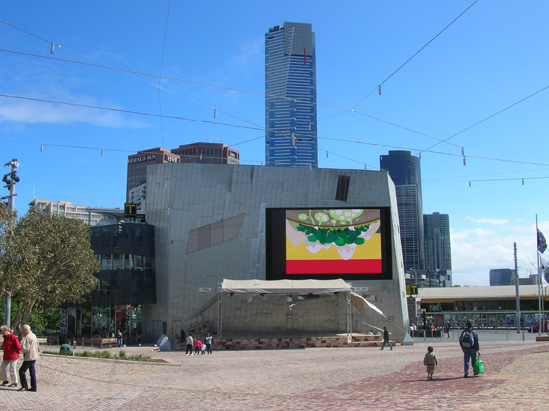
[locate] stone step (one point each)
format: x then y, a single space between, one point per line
293 342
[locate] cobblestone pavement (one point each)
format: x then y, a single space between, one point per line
516 375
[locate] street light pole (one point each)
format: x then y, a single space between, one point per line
517 289
11 179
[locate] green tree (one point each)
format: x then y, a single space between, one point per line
48 262
7 224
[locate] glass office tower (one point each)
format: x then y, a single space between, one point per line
405 172
438 251
290 101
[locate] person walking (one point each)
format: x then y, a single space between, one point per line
119 338
29 348
189 341
209 343
447 328
468 341
430 361
12 348
386 339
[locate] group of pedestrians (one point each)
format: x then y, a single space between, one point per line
200 347
12 350
468 341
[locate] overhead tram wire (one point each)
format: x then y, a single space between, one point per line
348 158
160 73
486 119
68 146
101 149
344 109
258 93
141 113
260 128
416 53
129 72
508 179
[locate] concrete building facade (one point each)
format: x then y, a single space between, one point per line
214 222
69 210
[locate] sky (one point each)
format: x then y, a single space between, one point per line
470 95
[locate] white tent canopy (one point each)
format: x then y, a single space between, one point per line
284 286
287 287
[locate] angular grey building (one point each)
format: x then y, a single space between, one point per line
404 169
290 96
215 222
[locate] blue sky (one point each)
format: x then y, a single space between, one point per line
493 56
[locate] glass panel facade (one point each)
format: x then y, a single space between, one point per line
290 102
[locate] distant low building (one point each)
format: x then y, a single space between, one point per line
501 276
138 195
207 153
67 209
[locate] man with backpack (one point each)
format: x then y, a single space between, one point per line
468 341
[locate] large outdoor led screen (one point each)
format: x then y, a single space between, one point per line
328 243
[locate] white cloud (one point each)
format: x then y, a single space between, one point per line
33 112
249 55
465 233
476 251
489 221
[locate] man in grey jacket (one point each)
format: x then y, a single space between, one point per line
29 349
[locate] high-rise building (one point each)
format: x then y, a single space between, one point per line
438 252
207 153
404 170
69 210
290 96
137 166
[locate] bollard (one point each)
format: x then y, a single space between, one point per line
507 334
424 336
73 347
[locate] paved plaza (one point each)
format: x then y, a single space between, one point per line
516 378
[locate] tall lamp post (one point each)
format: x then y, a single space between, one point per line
11 179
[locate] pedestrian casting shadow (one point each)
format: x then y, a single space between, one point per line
438 379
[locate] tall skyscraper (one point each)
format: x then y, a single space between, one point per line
290 101
404 170
438 251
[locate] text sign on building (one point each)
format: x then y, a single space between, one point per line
130 210
411 289
140 159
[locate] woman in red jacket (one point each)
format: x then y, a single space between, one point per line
12 349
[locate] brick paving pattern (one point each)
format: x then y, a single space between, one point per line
516 374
